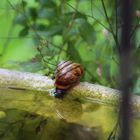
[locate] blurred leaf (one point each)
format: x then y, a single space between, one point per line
73 52
52 30
75 15
30 66
24 32
90 72
70 28
138 38
136 89
33 13
39 27
24 4
106 72
47 3
48 13
86 31
20 19
137 54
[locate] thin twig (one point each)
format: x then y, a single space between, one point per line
68 29
90 16
97 7
111 28
112 135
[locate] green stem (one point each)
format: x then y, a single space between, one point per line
68 30
107 18
90 16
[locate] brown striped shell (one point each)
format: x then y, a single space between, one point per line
68 74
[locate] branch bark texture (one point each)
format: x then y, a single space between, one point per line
84 90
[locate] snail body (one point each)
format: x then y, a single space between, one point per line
67 75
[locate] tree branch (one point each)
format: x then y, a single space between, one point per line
84 90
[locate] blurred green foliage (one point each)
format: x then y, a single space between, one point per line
38 34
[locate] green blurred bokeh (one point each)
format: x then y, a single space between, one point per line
38 33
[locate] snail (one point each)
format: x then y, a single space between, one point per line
67 75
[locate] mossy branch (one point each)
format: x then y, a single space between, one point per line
84 90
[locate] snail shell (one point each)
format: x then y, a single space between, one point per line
68 74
